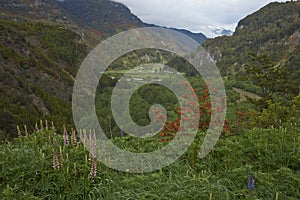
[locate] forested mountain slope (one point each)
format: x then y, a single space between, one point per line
273 31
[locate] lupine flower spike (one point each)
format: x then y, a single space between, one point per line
251 182
92 144
93 171
74 140
56 164
66 137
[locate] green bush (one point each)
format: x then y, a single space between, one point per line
277 115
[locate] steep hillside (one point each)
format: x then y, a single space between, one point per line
273 30
37 65
106 16
42 44
39 10
93 20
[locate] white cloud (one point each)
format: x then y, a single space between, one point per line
194 15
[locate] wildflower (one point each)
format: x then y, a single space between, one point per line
251 182
66 137
94 136
93 171
74 140
56 164
92 144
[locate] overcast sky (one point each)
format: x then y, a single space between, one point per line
194 15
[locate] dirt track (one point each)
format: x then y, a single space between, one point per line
244 94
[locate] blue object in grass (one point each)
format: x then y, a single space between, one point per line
251 182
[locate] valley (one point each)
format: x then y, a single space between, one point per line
43 44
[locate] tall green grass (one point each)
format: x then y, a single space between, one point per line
272 155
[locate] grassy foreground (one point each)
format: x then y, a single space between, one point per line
273 156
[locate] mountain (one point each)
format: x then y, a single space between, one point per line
111 17
273 30
105 16
215 31
92 19
43 42
198 37
42 45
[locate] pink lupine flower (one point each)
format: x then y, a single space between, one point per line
74 140
66 137
92 144
56 164
93 171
